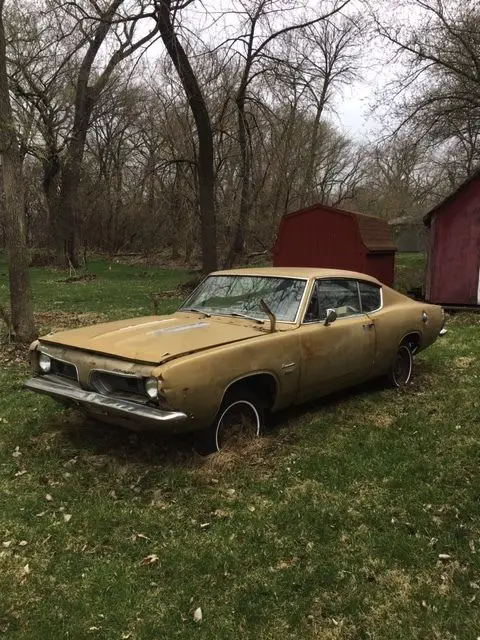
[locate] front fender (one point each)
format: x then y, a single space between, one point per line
196 384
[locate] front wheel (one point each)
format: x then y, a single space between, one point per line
240 418
401 370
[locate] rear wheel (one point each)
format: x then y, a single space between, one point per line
240 418
401 370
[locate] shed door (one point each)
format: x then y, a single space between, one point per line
455 253
455 266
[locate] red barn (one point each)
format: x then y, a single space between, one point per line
322 236
453 273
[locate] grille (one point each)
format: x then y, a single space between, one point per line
112 383
64 369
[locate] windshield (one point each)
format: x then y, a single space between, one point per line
241 295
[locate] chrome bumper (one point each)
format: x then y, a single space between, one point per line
99 405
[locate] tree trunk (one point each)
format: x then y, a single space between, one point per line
70 181
21 319
67 218
237 247
308 190
50 182
198 106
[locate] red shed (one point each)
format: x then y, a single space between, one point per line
322 236
453 273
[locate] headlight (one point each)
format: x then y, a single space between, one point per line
151 388
44 362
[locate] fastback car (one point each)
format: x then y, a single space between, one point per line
246 342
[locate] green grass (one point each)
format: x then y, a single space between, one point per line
115 290
410 271
329 527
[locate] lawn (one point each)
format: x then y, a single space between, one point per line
354 518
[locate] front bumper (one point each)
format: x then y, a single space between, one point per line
103 407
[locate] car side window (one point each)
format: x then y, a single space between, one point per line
340 294
371 297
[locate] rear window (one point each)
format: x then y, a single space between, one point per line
370 296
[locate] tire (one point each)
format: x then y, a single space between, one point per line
240 416
400 372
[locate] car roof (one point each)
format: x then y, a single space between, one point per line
297 272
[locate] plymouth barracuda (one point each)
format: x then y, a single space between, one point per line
247 342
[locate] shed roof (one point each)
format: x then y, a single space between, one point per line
427 218
374 232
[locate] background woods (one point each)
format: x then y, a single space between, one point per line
187 129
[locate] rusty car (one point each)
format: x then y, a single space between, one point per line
246 342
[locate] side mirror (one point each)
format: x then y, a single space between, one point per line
330 317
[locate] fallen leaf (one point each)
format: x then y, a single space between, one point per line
444 556
220 513
140 535
17 453
204 525
26 569
22 472
151 559
48 498
285 564
6 544
197 615
41 514
22 543
67 517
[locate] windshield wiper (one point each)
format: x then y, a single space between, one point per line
207 315
236 314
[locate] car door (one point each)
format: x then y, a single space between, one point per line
337 354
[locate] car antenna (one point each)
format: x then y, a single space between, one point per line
271 316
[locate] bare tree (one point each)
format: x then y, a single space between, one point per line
257 50
402 178
437 91
21 320
88 88
166 11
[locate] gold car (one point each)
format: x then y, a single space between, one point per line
246 342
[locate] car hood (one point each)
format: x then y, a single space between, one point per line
156 339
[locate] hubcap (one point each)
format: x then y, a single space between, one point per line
240 421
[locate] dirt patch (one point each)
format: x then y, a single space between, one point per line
158 260
381 419
254 452
58 320
85 278
14 354
463 362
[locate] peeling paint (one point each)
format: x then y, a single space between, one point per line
186 327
